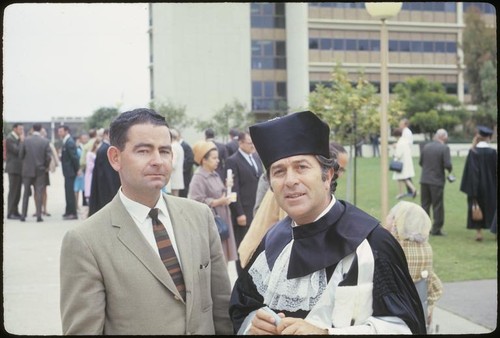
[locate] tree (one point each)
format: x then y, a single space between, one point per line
350 110
488 109
427 105
101 118
174 115
232 115
479 46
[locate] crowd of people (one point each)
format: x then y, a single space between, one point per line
479 178
147 257
31 160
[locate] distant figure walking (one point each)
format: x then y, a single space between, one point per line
479 181
434 160
374 139
36 154
402 153
70 166
13 167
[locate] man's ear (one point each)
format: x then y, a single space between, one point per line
114 157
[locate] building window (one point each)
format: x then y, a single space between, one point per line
267 15
430 6
374 45
268 54
268 95
313 43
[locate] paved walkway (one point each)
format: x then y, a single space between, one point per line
31 279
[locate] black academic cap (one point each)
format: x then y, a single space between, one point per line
301 133
484 131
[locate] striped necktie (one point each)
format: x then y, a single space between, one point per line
167 252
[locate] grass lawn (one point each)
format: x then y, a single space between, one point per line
457 256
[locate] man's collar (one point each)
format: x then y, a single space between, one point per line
245 155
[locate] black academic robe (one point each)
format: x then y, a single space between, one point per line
323 244
105 181
479 181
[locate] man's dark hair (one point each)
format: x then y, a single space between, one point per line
92 133
233 132
209 133
242 135
37 127
16 125
65 127
119 127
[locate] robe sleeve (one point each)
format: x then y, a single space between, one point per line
394 293
470 176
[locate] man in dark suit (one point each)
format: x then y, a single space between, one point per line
247 168
13 167
221 148
435 159
187 166
105 179
70 165
35 153
232 146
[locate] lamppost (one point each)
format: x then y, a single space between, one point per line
384 11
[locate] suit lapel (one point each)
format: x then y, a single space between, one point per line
132 238
183 237
250 169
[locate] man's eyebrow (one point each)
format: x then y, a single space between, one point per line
295 162
142 145
150 146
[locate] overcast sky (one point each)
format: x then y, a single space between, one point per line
71 59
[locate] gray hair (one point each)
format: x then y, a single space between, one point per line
441 134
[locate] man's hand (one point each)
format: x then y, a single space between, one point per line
264 323
290 325
241 220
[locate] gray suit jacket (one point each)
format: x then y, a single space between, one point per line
13 163
36 154
112 281
435 158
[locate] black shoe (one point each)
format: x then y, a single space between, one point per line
22 219
39 219
13 216
438 233
68 217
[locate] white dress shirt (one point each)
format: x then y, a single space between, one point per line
139 213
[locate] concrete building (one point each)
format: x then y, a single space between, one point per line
269 56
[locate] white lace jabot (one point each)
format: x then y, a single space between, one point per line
286 294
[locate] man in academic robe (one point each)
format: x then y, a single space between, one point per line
328 267
105 180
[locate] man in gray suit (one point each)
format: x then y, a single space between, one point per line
112 278
13 167
35 153
435 159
